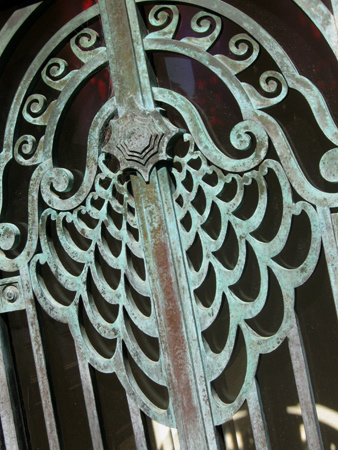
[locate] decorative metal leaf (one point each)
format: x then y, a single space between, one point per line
209 227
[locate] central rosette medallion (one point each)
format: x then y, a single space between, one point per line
140 138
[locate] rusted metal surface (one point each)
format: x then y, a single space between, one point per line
153 260
160 264
172 329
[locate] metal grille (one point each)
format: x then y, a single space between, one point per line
168 229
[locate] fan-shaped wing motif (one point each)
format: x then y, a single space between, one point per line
213 208
89 244
95 254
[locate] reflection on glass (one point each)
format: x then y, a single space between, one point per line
302 432
165 438
237 431
180 72
326 416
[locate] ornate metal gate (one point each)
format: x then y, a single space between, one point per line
169 244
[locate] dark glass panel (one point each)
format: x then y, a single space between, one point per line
207 93
160 437
27 379
278 392
71 148
269 227
318 323
156 393
247 287
114 412
230 382
216 335
306 139
238 432
66 384
269 319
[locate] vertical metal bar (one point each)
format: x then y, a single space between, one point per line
10 409
182 380
142 66
138 427
89 397
330 248
258 423
303 383
40 362
122 61
6 412
186 304
179 341
2 442
175 439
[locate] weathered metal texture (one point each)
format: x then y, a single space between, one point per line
259 428
250 103
89 397
140 139
40 361
175 342
15 23
324 20
191 326
39 155
331 249
186 365
303 383
115 291
138 427
334 4
250 107
239 309
11 295
191 418
11 415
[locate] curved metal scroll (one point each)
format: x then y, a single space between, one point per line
101 213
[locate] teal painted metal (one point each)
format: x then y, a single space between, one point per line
140 135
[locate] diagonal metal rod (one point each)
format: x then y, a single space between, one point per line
179 341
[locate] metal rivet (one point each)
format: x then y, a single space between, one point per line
10 294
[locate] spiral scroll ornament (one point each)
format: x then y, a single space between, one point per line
84 243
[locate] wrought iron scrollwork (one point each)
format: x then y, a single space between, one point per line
139 139
206 230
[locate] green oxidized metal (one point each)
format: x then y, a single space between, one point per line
139 136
